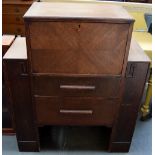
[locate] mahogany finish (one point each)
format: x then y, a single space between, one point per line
17 81
7 124
20 94
12 16
71 107
89 42
75 76
79 72
75 110
107 87
84 48
126 120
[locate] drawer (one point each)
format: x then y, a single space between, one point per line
14 9
12 19
75 111
15 29
107 87
78 48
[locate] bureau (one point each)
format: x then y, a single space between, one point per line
78 72
12 16
72 64
17 80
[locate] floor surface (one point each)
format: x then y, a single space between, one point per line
141 144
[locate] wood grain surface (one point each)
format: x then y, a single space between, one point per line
71 10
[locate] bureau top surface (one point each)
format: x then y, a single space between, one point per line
7 40
17 50
70 10
136 53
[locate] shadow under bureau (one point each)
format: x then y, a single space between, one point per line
78 72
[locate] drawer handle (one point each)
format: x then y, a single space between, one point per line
77 87
86 112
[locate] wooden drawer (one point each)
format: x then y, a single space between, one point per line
75 111
15 9
13 19
107 87
78 48
15 29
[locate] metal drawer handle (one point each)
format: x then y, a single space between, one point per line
77 87
86 112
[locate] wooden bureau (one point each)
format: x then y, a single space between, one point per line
73 65
15 63
78 72
12 16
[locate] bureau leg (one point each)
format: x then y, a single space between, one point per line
20 97
122 131
124 125
28 146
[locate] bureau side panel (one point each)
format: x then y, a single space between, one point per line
123 129
19 91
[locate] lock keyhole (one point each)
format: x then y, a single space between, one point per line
79 26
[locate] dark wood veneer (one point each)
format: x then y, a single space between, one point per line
86 48
75 110
12 16
107 87
19 91
79 72
128 112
